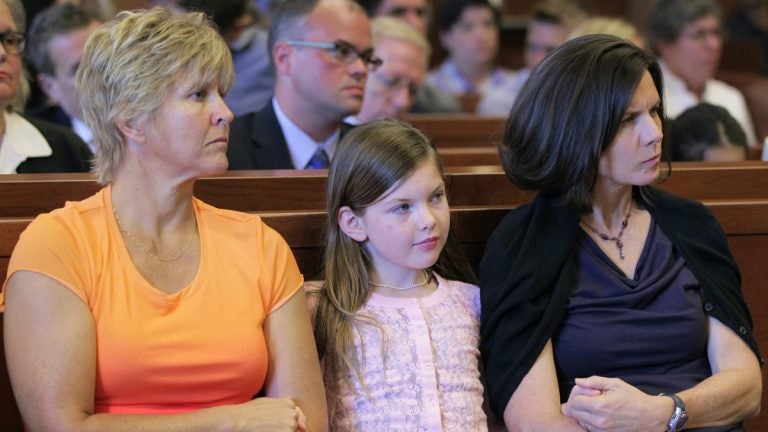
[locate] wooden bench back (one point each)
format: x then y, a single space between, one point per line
744 222
460 130
27 195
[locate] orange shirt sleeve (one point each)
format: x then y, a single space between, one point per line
50 246
281 278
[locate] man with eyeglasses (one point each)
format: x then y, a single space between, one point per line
687 37
391 89
321 52
415 13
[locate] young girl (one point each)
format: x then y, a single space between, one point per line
398 337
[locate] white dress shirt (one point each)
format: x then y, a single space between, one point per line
677 98
20 141
300 145
84 132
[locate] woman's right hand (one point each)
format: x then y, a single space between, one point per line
263 414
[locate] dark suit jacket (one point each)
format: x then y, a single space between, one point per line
256 141
70 153
50 113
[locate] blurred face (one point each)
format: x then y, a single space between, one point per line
474 39
187 134
695 55
405 231
391 89
542 38
10 64
634 155
66 50
331 87
414 12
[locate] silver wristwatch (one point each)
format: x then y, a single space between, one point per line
679 416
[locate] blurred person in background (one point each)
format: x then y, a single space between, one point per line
29 145
56 44
687 36
417 14
391 90
245 32
551 21
469 31
414 12
611 26
708 133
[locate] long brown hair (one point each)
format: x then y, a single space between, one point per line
369 161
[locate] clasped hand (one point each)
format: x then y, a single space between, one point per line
600 404
267 414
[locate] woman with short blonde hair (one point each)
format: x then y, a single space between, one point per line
153 310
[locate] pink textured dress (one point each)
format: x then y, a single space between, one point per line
424 374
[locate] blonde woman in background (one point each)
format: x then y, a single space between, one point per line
610 26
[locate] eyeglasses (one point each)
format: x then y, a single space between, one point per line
342 51
12 41
700 35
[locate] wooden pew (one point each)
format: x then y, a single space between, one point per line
27 195
460 130
470 156
753 86
744 222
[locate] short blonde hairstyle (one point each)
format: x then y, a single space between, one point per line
129 65
565 13
392 28
607 25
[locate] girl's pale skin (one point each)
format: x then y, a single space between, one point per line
404 231
733 391
52 359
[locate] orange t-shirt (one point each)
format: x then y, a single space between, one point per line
159 353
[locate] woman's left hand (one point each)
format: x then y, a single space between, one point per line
610 404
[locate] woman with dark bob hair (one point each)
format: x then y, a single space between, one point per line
606 295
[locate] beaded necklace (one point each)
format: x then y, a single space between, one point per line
427 279
617 238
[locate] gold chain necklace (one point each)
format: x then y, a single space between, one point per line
147 252
427 279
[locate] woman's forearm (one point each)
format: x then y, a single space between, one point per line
724 398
